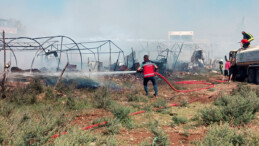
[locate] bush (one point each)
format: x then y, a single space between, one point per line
252 138
237 109
112 127
6 109
179 120
102 98
224 136
22 96
210 115
244 90
49 94
161 138
26 95
121 113
76 103
70 103
160 103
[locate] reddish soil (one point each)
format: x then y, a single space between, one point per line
135 136
180 137
87 119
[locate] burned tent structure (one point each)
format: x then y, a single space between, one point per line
52 53
198 58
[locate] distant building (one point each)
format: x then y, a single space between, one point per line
183 36
10 26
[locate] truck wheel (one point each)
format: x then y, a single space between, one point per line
257 77
251 75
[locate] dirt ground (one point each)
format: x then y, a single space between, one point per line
179 135
176 135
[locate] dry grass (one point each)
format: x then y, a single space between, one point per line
30 116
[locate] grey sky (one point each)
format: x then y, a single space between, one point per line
218 21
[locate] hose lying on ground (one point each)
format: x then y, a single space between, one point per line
171 105
187 82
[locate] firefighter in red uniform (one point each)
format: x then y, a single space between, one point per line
148 69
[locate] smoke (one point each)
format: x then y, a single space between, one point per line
217 22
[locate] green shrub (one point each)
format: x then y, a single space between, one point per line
244 90
161 138
160 103
70 103
25 95
210 115
224 100
50 95
252 138
102 98
6 109
22 96
237 109
112 127
76 103
121 113
179 120
223 136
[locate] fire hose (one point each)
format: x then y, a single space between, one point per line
210 85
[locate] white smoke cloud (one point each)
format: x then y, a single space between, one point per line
216 21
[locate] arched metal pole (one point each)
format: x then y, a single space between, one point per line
34 59
13 39
52 37
12 53
40 46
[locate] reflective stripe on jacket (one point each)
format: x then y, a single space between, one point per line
248 36
148 69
